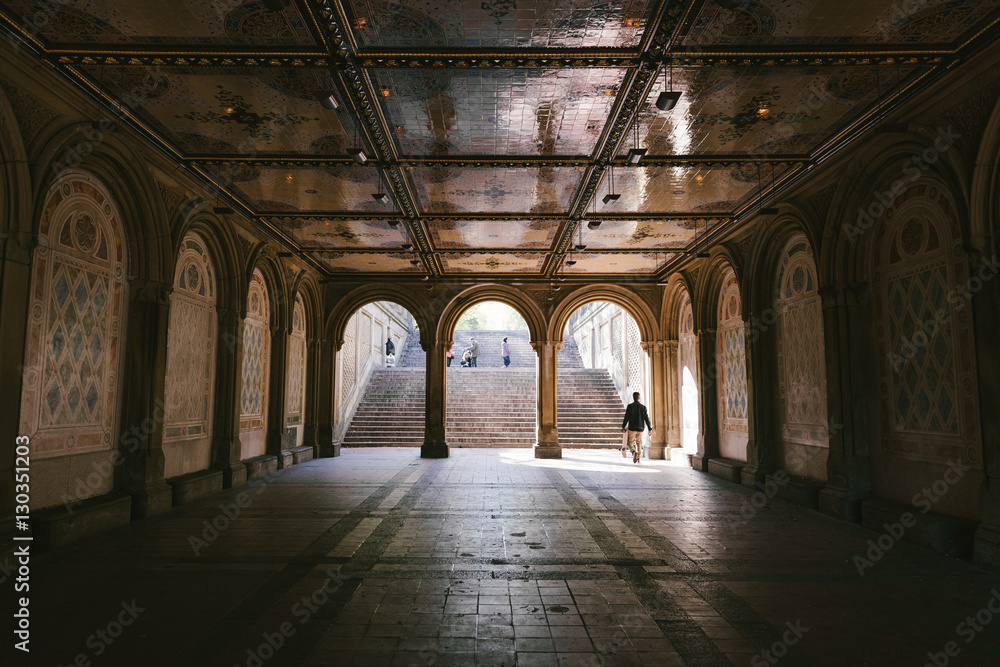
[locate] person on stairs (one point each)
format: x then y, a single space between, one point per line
450 355
505 353
390 352
636 419
473 351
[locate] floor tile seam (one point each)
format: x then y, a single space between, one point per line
692 646
639 527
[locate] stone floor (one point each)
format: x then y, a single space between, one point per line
490 557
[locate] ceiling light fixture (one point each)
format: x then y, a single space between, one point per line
328 101
393 223
415 262
407 246
611 196
636 153
380 197
358 155
594 224
667 100
570 262
580 246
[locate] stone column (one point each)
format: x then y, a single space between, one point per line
278 437
672 398
844 323
142 406
760 446
310 426
986 320
708 415
435 400
546 393
15 282
226 447
325 414
659 412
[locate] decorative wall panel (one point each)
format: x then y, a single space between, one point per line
296 363
928 373
731 358
69 401
256 355
801 355
190 344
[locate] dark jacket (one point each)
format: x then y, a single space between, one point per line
390 347
636 416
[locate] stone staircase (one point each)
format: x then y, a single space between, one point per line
488 406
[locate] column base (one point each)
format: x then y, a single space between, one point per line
548 451
699 462
836 502
752 476
285 459
155 498
658 452
986 546
434 450
330 450
233 474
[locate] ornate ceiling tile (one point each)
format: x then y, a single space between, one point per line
498 23
487 190
643 234
678 190
463 234
497 112
487 262
87 22
369 262
337 234
264 110
757 111
835 22
341 189
613 263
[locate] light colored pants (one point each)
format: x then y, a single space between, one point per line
635 441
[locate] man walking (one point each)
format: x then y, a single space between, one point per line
636 419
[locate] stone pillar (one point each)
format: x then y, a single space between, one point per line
708 415
845 323
226 447
546 392
142 406
278 436
659 412
761 395
325 444
986 320
435 400
15 287
672 398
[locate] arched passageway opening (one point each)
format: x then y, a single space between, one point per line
491 384
379 379
601 364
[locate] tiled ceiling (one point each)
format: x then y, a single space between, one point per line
497 128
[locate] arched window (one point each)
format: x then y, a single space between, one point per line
256 367
69 400
297 367
730 358
801 362
191 339
687 372
924 332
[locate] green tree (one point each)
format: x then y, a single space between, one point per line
473 319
